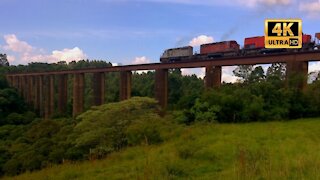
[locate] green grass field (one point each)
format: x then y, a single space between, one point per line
271 150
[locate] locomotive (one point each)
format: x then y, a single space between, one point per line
252 46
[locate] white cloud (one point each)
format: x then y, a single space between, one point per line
186 72
69 54
314 66
141 60
11 59
25 53
255 3
199 72
15 45
116 64
202 39
311 8
227 74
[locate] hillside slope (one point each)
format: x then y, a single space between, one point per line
272 150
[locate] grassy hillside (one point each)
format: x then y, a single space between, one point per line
271 150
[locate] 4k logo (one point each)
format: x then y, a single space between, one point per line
283 33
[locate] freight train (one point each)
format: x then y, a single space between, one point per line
252 46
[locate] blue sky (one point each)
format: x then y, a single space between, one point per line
135 31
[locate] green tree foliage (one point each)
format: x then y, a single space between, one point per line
143 84
33 146
204 112
257 75
28 143
183 90
277 71
259 101
243 71
111 127
10 102
174 83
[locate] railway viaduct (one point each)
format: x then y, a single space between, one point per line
38 88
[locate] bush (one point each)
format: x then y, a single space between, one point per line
202 111
113 126
25 118
12 167
144 131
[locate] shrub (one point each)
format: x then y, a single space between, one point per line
145 130
111 127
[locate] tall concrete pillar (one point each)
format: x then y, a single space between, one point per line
297 75
62 93
161 87
13 84
98 84
9 80
36 90
25 88
17 82
78 93
213 77
20 86
14 81
51 88
49 96
41 96
30 90
125 85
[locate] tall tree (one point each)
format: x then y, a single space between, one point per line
4 60
257 75
277 71
243 71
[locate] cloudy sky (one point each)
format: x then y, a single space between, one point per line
136 31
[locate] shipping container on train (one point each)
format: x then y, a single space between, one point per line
307 43
176 54
220 49
253 45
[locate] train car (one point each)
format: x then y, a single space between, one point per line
176 54
220 49
307 43
317 35
317 40
254 42
256 45
253 45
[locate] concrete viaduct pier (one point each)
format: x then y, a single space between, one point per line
38 88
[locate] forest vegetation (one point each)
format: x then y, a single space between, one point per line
199 127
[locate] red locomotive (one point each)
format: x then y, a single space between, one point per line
252 46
